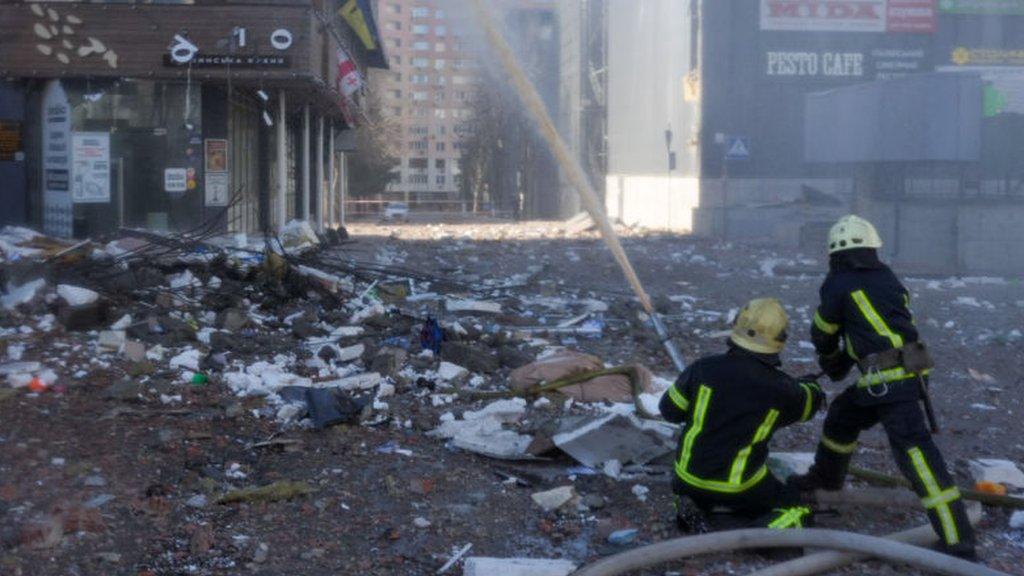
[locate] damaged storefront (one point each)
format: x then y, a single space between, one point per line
205 111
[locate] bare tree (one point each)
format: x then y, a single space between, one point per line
372 165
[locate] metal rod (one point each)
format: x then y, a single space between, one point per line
282 159
571 167
305 163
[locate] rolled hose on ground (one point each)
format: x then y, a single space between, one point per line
819 562
679 548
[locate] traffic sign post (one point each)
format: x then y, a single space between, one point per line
737 148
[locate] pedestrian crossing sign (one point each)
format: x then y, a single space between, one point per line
737 148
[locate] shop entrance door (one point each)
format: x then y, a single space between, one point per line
142 163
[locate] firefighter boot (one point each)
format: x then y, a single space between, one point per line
690 519
827 473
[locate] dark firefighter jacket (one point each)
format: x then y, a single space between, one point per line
864 310
732 403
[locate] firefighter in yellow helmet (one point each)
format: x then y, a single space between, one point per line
864 320
731 404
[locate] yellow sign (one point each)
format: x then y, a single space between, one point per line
357 20
962 56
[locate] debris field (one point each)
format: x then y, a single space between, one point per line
381 401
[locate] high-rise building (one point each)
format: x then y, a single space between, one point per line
427 93
429 90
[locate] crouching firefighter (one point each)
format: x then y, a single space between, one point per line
731 405
864 319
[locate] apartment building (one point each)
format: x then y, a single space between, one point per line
428 92
429 89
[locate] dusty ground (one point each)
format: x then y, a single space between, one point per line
147 461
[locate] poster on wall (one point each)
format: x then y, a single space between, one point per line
216 173
1000 7
824 15
10 142
175 180
896 16
90 168
58 211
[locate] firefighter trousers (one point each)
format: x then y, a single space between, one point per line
915 453
768 504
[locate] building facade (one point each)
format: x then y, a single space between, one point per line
166 116
787 113
438 66
427 92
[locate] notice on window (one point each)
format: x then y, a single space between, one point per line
216 188
10 142
90 167
217 175
175 180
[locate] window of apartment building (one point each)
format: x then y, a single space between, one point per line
418 96
440 113
393 25
395 93
457 180
461 80
458 146
420 29
461 95
397 76
418 130
418 145
439 14
439 164
417 178
442 130
439 146
440 180
420 12
441 80
418 163
439 96
394 8
419 79
420 112
439 47
420 62
439 64
441 30
396 60
396 111
421 46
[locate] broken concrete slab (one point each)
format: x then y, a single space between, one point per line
481 431
363 381
482 306
111 340
551 500
999 471
452 372
23 294
594 440
76 296
474 358
350 353
481 566
786 464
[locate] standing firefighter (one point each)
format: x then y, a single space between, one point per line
864 319
731 404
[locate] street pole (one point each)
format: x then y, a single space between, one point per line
282 169
320 173
305 162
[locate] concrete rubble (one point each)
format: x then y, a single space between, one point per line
383 375
477 566
997 471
